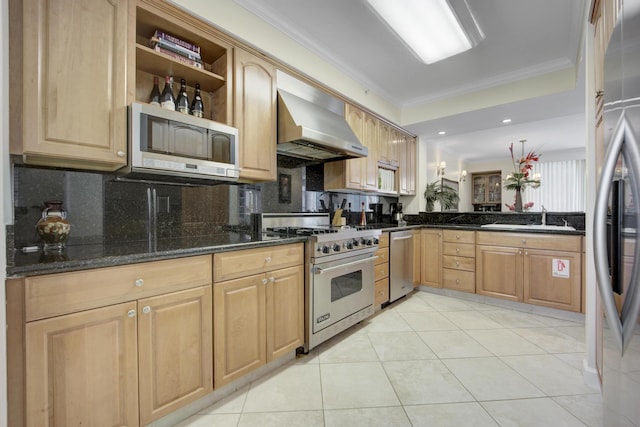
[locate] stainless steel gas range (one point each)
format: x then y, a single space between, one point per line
339 272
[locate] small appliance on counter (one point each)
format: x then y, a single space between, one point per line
397 217
376 215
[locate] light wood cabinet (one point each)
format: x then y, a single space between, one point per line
81 369
417 250
259 317
431 257
458 260
69 73
175 350
533 268
381 270
255 106
110 347
407 165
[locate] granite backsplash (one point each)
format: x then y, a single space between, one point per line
104 209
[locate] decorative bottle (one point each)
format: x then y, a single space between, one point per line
363 216
197 107
167 100
154 98
182 102
53 227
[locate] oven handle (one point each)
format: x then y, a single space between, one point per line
319 270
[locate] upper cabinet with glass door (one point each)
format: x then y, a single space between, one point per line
487 191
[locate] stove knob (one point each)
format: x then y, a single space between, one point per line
355 242
363 241
336 247
349 245
376 241
369 242
324 249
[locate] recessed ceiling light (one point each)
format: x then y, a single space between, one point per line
505 121
442 132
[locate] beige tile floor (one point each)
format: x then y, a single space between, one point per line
427 360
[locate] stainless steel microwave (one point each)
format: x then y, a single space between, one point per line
177 147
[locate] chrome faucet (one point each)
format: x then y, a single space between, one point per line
544 216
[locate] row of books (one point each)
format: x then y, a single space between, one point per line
176 48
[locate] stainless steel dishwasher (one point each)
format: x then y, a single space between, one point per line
401 264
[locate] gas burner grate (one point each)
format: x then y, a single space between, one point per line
301 231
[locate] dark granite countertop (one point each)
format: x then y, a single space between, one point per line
95 255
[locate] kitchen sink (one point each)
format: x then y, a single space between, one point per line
529 227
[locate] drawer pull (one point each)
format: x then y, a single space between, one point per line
264 281
139 282
146 309
457 250
457 281
272 279
524 242
458 236
131 313
267 259
457 263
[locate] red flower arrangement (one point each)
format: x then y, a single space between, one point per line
520 177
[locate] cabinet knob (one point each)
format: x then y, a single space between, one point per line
139 282
519 252
131 313
121 154
526 253
146 309
264 281
457 281
457 250
457 263
272 279
458 236
524 242
267 259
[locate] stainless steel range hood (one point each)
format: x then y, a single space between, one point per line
311 124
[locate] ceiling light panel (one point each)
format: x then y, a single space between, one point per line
430 29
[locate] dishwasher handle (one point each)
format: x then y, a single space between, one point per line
403 237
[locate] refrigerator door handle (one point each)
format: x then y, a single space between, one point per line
631 305
621 326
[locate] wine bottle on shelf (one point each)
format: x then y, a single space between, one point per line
154 98
182 102
167 101
197 107
363 216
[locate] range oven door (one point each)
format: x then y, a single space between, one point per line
341 287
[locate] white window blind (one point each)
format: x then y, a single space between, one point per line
562 187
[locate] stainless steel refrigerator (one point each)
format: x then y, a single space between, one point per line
616 252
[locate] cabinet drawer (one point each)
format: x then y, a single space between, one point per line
381 271
530 240
382 291
459 280
383 255
462 236
384 240
55 294
459 249
459 263
231 265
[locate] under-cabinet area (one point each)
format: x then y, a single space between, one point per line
127 345
540 269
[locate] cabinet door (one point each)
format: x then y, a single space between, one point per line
355 168
255 116
239 327
371 137
417 249
431 256
285 311
75 96
403 165
81 369
384 142
552 279
411 165
499 272
175 351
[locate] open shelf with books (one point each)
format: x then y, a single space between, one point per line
210 64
